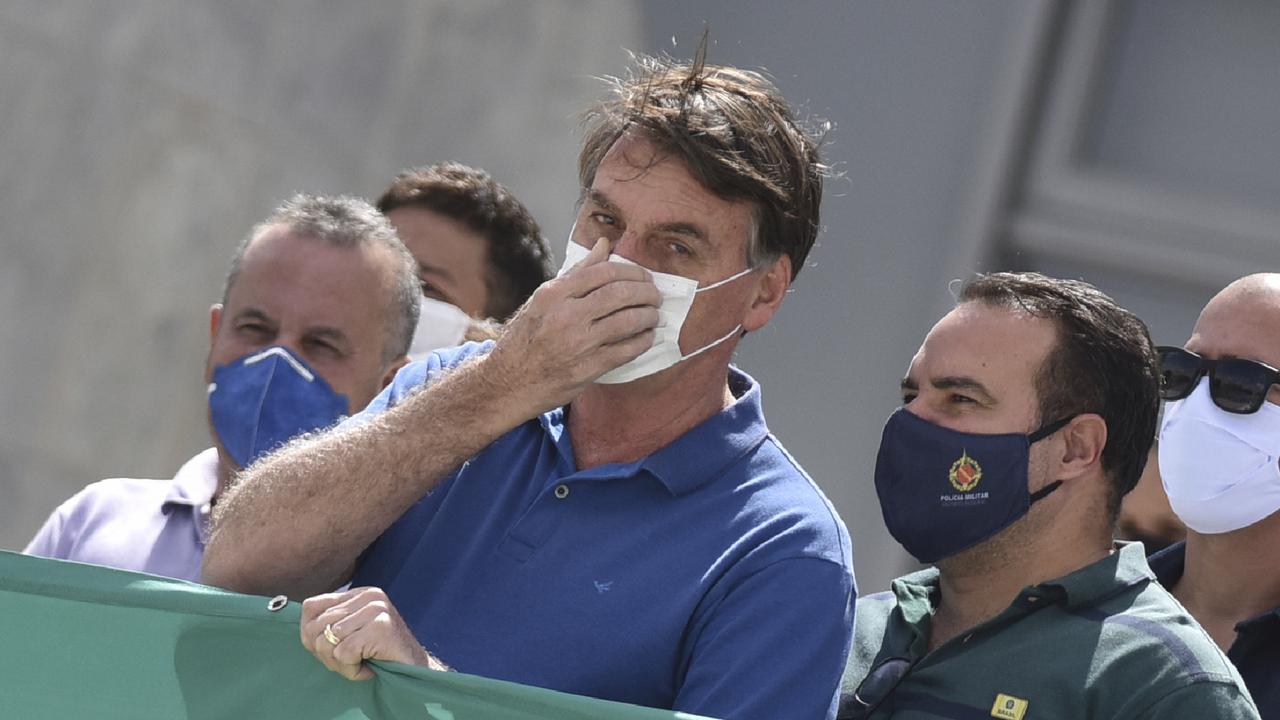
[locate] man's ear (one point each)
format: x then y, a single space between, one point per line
392 369
1084 439
215 320
769 293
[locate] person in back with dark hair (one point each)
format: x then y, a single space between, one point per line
593 503
477 245
1026 416
480 253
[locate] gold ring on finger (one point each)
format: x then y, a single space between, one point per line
330 635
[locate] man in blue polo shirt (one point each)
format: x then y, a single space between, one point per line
1220 462
593 503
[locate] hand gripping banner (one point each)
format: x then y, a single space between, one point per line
81 641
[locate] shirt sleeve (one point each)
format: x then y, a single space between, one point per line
51 540
774 646
415 375
1217 700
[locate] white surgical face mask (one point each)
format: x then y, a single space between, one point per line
1219 469
440 325
677 297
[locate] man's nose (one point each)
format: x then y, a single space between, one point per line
627 245
292 344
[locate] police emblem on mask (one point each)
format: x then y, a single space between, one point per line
965 473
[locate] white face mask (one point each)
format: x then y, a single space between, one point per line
677 297
1219 469
440 325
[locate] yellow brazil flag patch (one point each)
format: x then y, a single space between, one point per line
1008 707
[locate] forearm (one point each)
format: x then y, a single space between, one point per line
299 519
296 522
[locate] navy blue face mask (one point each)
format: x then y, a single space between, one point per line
260 401
942 491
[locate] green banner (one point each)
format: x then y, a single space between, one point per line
81 641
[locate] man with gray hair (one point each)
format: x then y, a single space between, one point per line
317 314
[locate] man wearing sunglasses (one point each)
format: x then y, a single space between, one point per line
1027 414
1220 460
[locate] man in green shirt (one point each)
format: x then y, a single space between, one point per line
1027 414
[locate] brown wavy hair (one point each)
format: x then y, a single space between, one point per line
734 132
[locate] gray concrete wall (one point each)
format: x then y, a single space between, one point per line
140 139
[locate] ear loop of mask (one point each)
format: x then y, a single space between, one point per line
1037 436
707 347
736 328
727 280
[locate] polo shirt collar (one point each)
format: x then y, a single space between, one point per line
195 483
1113 574
694 458
702 453
917 593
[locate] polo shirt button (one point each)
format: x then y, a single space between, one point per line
562 491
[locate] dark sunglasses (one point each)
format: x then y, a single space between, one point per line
1235 384
875 688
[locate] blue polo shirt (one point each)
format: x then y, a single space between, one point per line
711 577
1256 650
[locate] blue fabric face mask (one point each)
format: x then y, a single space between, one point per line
262 400
942 491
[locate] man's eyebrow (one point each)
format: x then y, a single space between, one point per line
908 384
599 198
253 313
436 271
685 228
330 333
960 382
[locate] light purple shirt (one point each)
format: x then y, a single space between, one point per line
152 526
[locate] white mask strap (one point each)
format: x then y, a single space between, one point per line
729 279
707 347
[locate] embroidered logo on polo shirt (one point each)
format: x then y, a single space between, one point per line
602 587
1008 707
965 473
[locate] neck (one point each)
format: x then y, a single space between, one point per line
225 476
623 423
1231 577
979 583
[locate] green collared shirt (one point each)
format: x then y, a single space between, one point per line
1102 642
